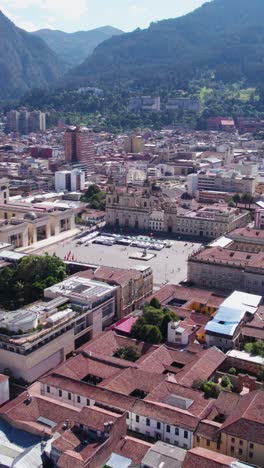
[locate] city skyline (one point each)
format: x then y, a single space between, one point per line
89 14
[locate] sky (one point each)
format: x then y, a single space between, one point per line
76 15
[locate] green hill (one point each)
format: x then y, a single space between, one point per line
25 61
225 36
74 48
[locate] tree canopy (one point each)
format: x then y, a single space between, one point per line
25 282
95 197
152 326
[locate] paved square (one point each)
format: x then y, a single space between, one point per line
169 264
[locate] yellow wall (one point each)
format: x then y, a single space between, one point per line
227 442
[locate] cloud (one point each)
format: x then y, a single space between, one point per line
59 9
136 10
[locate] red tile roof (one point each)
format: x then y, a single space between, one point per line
247 419
132 448
201 458
202 368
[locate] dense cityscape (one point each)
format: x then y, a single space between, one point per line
131 270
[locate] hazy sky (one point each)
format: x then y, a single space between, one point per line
74 15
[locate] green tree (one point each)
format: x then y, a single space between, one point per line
25 282
236 198
153 334
167 318
232 371
210 389
226 382
130 353
155 303
257 348
247 199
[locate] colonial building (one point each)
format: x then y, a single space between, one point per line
233 262
130 209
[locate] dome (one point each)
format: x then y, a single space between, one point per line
30 216
186 196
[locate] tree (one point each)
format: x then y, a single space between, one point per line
210 389
226 382
153 334
247 199
130 353
25 282
236 198
155 303
257 348
167 318
232 371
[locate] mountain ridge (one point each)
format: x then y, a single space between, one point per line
25 61
225 36
73 48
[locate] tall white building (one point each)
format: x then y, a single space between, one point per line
72 181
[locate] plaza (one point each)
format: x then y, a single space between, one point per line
168 265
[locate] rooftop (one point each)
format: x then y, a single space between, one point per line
231 312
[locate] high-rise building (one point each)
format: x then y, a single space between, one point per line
73 181
37 121
25 122
80 147
12 121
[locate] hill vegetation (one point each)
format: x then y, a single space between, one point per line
73 48
223 36
25 61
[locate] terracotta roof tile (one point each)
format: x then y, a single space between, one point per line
201 458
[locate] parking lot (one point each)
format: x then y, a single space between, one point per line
169 264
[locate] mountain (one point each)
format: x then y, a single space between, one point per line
74 48
224 36
25 61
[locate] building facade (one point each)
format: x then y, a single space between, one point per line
79 143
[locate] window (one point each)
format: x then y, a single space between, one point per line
232 449
158 425
127 415
69 396
241 442
185 446
218 444
176 443
208 442
87 402
168 428
60 393
186 434
250 454
240 451
78 399
233 440
148 422
48 389
137 418
177 431
167 440
251 446
198 439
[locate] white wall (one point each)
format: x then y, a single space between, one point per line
4 391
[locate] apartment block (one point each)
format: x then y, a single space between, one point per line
79 143
225 182
190 105
40 337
